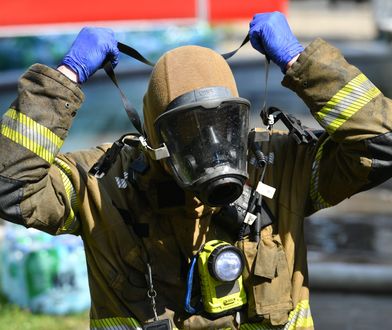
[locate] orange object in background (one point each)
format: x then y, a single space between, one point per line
32 12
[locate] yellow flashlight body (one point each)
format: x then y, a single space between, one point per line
219 297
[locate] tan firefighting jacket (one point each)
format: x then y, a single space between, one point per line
131 216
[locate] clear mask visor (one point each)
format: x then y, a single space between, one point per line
206 141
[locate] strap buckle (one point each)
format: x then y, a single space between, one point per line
100 168
300 134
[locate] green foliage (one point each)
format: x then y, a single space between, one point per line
21 52
14 318
18 53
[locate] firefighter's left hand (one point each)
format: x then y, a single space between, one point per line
271 35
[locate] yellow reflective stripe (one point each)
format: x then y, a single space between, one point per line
341 94
346 102
317 200
27 143
115 323
40 129
71 223
352 109
33 136
300 317
259 326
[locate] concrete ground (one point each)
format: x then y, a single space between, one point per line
351 311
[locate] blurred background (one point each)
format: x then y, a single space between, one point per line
350 246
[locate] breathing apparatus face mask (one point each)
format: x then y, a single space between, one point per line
205 132
203 135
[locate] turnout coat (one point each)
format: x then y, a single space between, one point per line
132 215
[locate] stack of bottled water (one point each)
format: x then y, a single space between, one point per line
46 274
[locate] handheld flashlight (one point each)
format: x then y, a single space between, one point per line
220 267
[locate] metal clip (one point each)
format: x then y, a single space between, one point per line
151 293
271 121
155 154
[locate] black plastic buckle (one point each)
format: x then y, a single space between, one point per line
300 135
101 167
158 325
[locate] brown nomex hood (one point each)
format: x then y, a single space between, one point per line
180 71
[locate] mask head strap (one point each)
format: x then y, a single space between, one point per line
132 52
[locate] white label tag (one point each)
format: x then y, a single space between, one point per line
250 218
265 190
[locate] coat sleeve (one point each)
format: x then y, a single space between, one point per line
355 153
38 186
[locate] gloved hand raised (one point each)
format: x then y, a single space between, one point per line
90 49
271 35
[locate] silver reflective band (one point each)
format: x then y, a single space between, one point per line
155 154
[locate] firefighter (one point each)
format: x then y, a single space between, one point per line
197 224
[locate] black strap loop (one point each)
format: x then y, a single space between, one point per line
226 56
132 52
130 110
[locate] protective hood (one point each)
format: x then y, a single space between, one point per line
180 71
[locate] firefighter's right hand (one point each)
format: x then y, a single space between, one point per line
91 48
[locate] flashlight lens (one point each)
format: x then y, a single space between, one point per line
228 265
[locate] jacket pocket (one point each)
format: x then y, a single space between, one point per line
268 281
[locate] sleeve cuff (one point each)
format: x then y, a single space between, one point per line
318 74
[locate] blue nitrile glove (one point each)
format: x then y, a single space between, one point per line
90 49
271 35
